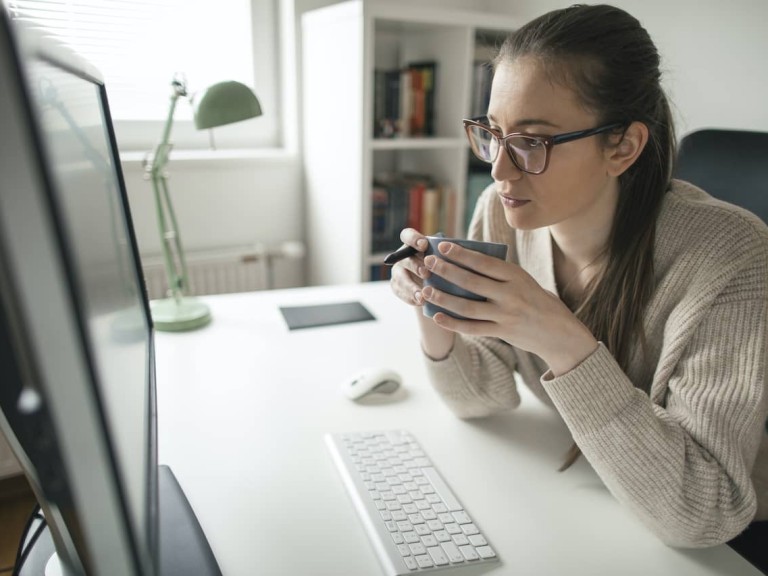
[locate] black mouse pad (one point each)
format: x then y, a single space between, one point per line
298 317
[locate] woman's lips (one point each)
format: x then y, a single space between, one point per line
513 202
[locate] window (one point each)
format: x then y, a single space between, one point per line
139 45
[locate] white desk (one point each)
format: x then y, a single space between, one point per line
243 407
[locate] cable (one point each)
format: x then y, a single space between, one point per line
24 550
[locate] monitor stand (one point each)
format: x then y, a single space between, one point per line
184 549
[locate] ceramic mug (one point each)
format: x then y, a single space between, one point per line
490 248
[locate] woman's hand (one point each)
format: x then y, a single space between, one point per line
407 283
408 274
517 309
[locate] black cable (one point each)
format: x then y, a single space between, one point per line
24 532
23 551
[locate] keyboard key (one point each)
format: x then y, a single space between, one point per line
438 556
477 540
424 561
429 540
469 529
443 536
434 525
486 552
452 552
461 517
469 552
410 562
460 540
452 529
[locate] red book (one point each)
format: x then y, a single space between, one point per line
416 204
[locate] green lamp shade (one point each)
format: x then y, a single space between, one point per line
225 103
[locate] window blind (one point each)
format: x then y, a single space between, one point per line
139 45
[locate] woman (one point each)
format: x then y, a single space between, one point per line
634 304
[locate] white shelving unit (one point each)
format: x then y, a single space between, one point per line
343 44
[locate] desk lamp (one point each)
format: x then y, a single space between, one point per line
223 103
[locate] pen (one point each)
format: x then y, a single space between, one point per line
399 254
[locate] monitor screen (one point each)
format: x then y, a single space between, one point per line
77 397
73 119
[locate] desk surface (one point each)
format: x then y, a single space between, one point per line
243 407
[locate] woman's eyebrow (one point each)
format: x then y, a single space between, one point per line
526 122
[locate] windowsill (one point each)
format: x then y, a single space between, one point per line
227 155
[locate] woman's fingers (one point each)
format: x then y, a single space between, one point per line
471 310
414 238
494 268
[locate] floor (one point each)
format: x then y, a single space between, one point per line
16 504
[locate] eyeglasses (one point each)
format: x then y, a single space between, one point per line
529 152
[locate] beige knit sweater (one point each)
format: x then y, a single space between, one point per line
691 458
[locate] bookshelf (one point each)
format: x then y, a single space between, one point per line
366 177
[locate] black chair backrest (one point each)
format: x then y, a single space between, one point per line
731 165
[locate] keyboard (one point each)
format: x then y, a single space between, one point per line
413 519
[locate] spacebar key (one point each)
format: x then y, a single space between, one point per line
442 489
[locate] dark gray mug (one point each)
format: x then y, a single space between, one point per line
490 248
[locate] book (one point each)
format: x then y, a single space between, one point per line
423 98
430 211
404 101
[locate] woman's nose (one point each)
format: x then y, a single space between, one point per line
503 168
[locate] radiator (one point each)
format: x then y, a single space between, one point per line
222 270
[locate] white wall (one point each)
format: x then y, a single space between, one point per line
715 71
713 55
222 202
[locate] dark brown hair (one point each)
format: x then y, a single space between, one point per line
608 59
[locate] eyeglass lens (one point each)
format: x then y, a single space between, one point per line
528 153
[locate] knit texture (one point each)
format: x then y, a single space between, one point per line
690 457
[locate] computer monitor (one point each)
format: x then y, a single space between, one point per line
77 375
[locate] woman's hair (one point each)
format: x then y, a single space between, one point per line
608 59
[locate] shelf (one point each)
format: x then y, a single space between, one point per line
383 183
416 143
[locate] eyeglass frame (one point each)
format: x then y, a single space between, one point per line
548 141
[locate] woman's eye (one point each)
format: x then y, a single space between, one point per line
532 144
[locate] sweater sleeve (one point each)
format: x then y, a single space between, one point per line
477 378
683 467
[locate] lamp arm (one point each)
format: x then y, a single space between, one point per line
173 254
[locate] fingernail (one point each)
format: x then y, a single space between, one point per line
444 247
429 261
421 244
417 297
426 293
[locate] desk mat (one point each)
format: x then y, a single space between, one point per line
298 317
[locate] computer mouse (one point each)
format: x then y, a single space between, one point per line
371 381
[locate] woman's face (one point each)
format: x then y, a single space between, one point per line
576 188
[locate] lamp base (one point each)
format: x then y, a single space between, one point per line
169 315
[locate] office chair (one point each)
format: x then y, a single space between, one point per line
731 165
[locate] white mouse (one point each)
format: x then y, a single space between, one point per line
371 381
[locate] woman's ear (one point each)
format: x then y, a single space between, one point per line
622 155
